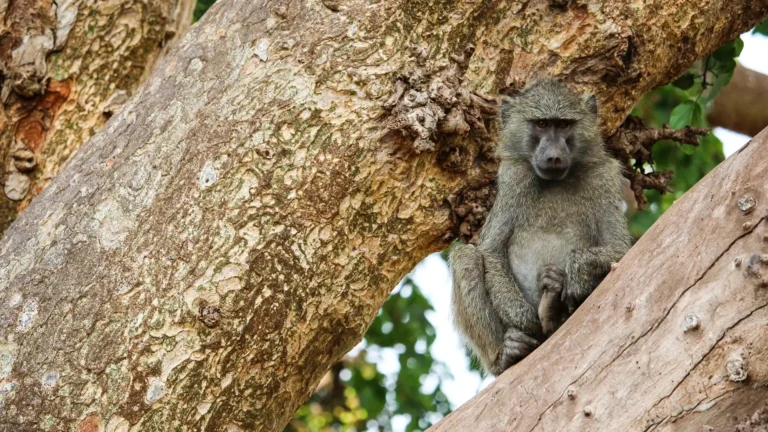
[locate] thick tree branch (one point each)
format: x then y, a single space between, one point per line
675 343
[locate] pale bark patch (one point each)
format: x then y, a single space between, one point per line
155 390
49 379
8 353
27 316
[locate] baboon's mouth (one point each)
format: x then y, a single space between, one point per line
552 173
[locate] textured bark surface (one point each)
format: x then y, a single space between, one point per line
738 107
65 67
233 230
675 337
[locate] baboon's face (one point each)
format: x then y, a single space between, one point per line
551 128
552 143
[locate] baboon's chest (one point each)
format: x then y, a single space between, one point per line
555 228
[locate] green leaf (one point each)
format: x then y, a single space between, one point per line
738 45
681 116
721 80
685 81
687 149
723 60
762 28
725 52
698 118
723 66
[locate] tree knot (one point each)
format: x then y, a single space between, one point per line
429 105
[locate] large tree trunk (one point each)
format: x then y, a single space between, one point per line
739 106
65 67
676 338
203 260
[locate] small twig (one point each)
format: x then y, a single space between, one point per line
634 141
704 83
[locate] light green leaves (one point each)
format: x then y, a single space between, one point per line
683 115
685 102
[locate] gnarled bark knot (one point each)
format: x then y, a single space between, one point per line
431 106
469 208
431 102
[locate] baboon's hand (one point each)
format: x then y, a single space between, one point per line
517 345
552 310
579 278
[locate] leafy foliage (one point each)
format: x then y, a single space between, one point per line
684 102
762 28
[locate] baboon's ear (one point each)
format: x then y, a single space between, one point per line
506 107
592 104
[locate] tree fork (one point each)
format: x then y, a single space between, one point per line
673 339
202 261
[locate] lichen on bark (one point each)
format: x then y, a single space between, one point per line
66 67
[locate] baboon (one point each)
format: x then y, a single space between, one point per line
554 230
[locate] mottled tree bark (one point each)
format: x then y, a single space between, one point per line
234 229
739 106
673 340
65 67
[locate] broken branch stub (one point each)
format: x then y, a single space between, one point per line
632 145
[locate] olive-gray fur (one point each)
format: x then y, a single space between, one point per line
539 233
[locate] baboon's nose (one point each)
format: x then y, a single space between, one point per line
555 162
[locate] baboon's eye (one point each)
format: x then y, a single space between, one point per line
562 124
541 124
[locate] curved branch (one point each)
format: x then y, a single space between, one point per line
735 106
